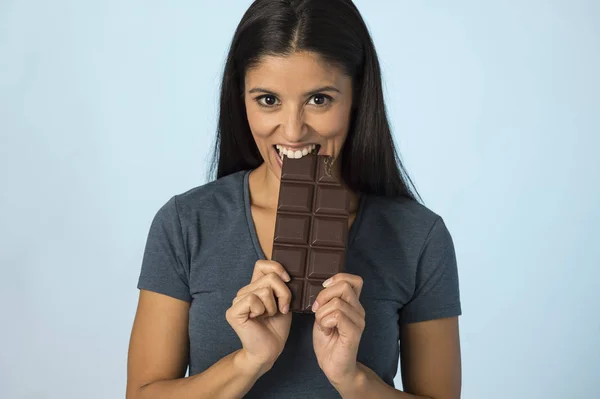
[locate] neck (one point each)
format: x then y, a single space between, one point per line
264 187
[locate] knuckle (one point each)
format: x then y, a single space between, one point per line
276 264
240 296
264 291
252 298
347 287
337 302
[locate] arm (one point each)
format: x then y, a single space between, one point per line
431 365
158 357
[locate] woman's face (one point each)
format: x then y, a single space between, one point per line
297 104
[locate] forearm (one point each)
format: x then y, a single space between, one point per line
230 377
368 385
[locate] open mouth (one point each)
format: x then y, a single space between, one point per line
296 153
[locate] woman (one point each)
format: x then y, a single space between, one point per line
301 76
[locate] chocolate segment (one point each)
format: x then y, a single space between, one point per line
311 230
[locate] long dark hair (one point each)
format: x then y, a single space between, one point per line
335 30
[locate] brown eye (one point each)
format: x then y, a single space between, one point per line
320 100
267 100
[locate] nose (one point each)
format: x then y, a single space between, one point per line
293 126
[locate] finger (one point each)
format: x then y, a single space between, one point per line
280 290
266 296
263 267
337 304
282 293
326 330
249 306
343 324
355 281
342 290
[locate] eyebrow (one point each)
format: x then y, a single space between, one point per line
310 93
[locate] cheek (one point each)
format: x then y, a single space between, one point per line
258 126
333 125
261 125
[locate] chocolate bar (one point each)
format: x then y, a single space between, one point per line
311 229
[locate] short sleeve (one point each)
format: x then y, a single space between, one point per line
165 268
436 293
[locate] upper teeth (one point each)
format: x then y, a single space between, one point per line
295 153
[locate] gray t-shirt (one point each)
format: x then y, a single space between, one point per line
202 247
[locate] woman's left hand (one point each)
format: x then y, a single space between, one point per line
339 324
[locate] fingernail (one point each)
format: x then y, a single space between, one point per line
286 277
327 283
315 306
286 309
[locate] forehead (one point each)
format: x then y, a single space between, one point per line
300 71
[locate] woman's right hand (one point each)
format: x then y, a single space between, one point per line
260 314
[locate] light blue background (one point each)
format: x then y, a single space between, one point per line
108 108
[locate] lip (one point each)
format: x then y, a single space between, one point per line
278 160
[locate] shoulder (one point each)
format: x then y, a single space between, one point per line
402 207
403 214
409 223
226 192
